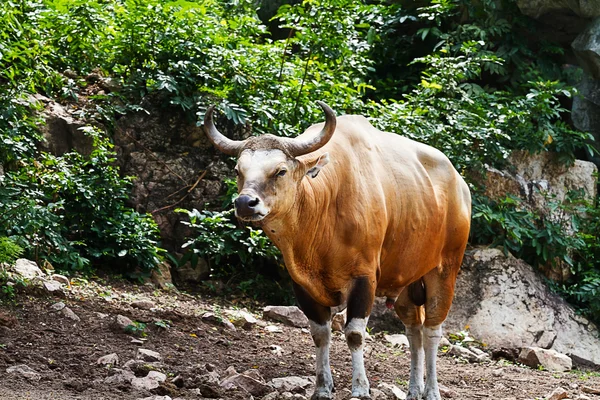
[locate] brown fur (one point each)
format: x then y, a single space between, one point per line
385 208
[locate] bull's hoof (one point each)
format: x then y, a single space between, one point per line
414 395
432 395
323 394
360 393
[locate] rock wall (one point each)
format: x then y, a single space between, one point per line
173 163
506 304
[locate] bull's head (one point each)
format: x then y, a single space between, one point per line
268 172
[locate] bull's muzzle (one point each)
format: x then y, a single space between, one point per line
249 207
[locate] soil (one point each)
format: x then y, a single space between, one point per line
65 352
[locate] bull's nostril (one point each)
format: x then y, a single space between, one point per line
253 203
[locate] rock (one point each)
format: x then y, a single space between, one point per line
119 377
583 397
25 371
143 304
193 273
447 392
590 390
53 287
273 329
109 360
444 342
540 180
462 352
549 359
397 340
250 385
110 84
57 306
67 312
507 304
156 398
271 396
217 320
178 381
230 371
27 269
161 276
392 391
294 384
137 341
585 112
558 394
377 394
338 322
289 315
122 323
62 279
61 131
241 318
148 355
277 350
587 49
150 381
537 8
209 391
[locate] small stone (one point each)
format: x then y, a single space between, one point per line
397 340
447 392
119 377
290 384
148 355
156 398
143 304
273 329
136 341
230 371
549 359
444 342
216 320
53 287
498 372
289 315
178 381
590 390
392 391
251 385
108 360
558 394
583 397
277 350
271 396
462 352
210 367
25 371
377 394
150 381
242 319
67 312
338 321
57 306
122 323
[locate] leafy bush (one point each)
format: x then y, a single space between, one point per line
9 251
71 211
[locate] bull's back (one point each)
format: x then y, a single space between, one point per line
414 206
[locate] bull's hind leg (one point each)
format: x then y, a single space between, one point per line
410 310
360 302
320 328
439 284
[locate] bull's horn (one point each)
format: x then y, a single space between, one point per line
298 147
220 141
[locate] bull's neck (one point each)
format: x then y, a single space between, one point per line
304 222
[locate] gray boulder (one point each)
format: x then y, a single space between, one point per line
549 359
289 315
25 371
507 304
537 8
27 269
586 47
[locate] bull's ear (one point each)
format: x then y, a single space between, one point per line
315 167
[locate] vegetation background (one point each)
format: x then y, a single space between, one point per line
459 75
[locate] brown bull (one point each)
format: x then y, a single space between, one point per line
358 214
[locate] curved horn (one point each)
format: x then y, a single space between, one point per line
298 147
220 141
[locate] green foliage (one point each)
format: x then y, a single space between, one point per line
228 248
71 211
9 251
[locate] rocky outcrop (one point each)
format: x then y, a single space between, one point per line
173 163
581 8
506 304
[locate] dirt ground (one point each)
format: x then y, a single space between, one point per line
65 352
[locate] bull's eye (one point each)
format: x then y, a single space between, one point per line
281 172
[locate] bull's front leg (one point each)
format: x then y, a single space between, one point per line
320 328
360 301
